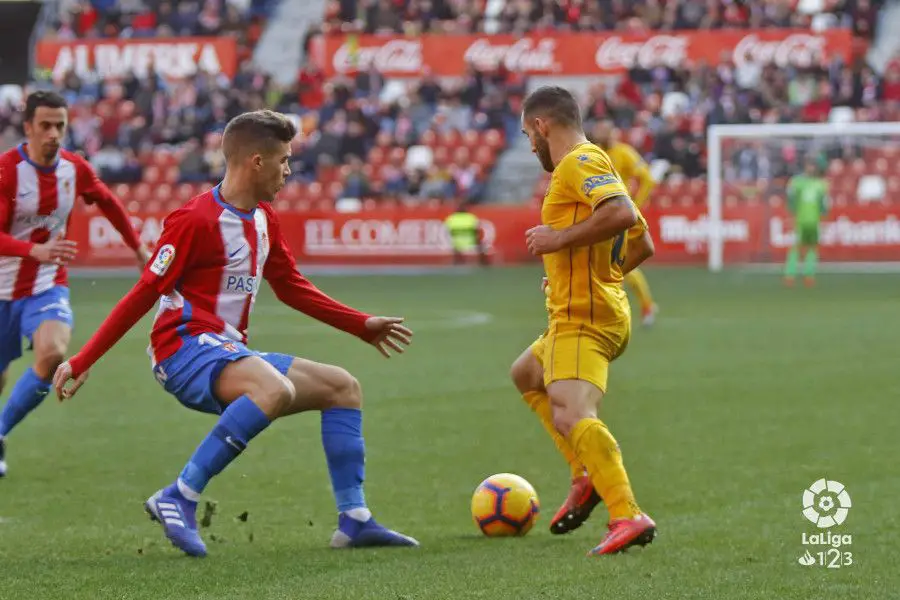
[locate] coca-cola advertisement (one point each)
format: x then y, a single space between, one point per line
171 58
757 233
574 53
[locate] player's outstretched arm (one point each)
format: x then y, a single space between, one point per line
123 317
609 219
638 249
296 291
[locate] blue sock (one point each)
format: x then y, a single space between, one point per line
239 424
345 451
29 391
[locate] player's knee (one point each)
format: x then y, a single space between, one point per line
48 357
565 417
274 396
347 391
524 376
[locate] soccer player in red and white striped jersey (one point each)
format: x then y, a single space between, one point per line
206 271
39 184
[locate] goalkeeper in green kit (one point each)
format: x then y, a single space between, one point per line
807 200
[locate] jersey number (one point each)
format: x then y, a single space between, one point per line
617 256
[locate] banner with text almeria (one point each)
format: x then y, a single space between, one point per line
172 58
753 234
575 53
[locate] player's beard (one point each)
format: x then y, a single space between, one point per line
542 149
50 152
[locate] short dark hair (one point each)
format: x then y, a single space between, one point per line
45 98
555 103
257 132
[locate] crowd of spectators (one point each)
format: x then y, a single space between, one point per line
364 137
522 16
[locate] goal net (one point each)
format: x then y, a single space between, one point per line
749 171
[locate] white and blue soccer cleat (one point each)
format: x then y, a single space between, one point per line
2 457
352 533
178 517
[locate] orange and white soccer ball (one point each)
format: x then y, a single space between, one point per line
505 505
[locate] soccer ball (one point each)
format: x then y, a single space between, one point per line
505 505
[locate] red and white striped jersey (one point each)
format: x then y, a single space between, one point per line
36 204
207 266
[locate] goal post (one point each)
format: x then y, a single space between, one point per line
748 167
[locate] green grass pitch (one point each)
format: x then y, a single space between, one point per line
741 396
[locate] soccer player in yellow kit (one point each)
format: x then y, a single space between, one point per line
630 166
591 235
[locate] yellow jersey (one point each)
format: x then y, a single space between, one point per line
629 165
585 283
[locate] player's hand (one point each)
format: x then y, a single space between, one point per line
389 333
62 377
545 283
56 251
543 240
143 255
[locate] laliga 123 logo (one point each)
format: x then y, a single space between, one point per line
826 503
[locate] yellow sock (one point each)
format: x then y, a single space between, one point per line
599 451
540 404
641 288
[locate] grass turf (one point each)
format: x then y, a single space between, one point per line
741 396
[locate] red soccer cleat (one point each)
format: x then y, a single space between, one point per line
583 498
625 533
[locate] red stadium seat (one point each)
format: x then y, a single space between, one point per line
441 156
281 205
314 191
334 190
383 139
429 138
123 192
493 138
163 192
471 139
184 192
397 156
461 155
291 191
141 192
172 174
302 205
836 167
484 156
450 138
377 156
152 174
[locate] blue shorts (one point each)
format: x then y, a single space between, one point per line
190 374
21 318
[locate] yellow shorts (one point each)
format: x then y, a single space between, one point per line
568 350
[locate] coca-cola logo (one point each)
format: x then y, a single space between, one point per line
526 54
799 49
615 53
398 56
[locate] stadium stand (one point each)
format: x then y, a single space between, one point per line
437 139
523 16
